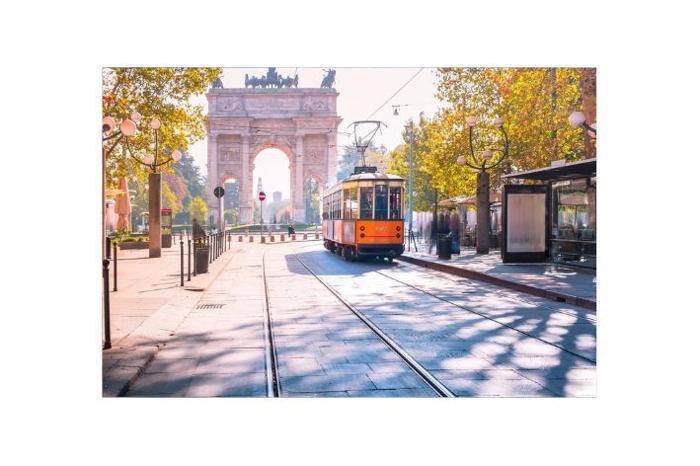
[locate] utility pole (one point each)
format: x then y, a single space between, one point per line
410 188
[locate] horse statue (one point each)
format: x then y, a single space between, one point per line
289 81
271 79
329 79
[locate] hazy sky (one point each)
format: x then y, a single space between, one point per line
361 92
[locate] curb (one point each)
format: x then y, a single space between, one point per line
466 273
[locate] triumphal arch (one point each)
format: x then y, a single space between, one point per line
301 122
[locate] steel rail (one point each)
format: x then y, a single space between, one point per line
484 316
274 386
423 373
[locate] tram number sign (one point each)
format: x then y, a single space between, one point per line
261 196
219 192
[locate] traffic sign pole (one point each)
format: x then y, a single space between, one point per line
219 194
261 196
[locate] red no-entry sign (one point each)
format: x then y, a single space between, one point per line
261 196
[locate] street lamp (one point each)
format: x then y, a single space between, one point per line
578 119
481 163
154 184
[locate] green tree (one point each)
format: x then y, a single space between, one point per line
164 93
170 200
198 210
350 158
189 172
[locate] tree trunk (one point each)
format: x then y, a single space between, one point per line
482 212
588 101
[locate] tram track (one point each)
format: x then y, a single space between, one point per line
438 387
273 382
485 316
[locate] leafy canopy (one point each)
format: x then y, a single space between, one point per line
163 93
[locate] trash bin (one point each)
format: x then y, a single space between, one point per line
444 247
201 257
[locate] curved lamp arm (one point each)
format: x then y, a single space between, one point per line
109 151
152 166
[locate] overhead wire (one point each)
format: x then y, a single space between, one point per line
395 93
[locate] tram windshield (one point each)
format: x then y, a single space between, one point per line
381 200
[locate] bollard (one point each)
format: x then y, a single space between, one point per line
294 237
250 239
262 239
229 242
211 250
240 238
189 258
304 237
105 286
108 241
316 235
194 244
281 237
182 262
115 266
272 238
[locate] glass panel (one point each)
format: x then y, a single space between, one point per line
526 222
350 208
395 203
366 203
574 222
381 199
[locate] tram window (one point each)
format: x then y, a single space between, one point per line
350 209
394 203
336 205
366 203
381 193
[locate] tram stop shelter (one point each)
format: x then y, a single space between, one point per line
549 214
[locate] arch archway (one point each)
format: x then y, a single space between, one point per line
241 123
232 199
272 174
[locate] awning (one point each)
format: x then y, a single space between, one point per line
580 169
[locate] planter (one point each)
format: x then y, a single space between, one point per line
133 245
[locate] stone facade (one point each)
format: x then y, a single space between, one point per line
302 123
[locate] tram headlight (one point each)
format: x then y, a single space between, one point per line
362 235
398 235
398 228
362 228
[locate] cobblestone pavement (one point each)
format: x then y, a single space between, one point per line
477 339
511 345
218 349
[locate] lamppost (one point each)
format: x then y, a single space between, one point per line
483 164
154 188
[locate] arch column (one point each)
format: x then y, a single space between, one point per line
298 188
332 156
245 201
213 178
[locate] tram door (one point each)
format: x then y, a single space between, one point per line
526 223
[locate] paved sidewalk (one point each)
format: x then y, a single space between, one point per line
561 283
147 307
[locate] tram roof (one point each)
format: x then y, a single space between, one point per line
371 177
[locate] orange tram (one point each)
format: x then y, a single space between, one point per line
363 216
